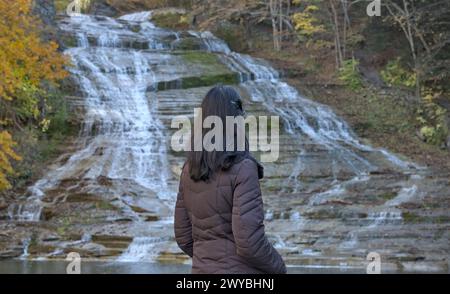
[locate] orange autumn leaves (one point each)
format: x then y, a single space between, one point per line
24 57
6 152
25 63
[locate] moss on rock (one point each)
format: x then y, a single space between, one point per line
206 61
172 20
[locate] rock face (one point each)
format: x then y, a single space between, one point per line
103 8
46 11
134 5
329 199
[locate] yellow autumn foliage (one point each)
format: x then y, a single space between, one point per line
26 61
6 152
305 23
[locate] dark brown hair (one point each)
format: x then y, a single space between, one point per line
220 101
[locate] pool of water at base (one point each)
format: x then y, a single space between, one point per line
103 267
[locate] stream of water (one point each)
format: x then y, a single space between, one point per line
59 267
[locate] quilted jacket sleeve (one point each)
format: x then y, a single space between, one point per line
183 225
247 222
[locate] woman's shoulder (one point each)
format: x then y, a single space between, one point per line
249 162
184 169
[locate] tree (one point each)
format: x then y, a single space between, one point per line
26 62
279 11
340 23
305 23
425 25
6 153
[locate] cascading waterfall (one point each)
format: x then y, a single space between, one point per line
384 217
301 117
211 42
118 64
142 249
142 16
124 139
316 122
26 245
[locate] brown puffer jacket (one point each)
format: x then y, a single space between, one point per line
220 223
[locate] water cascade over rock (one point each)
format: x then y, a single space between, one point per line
330 199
